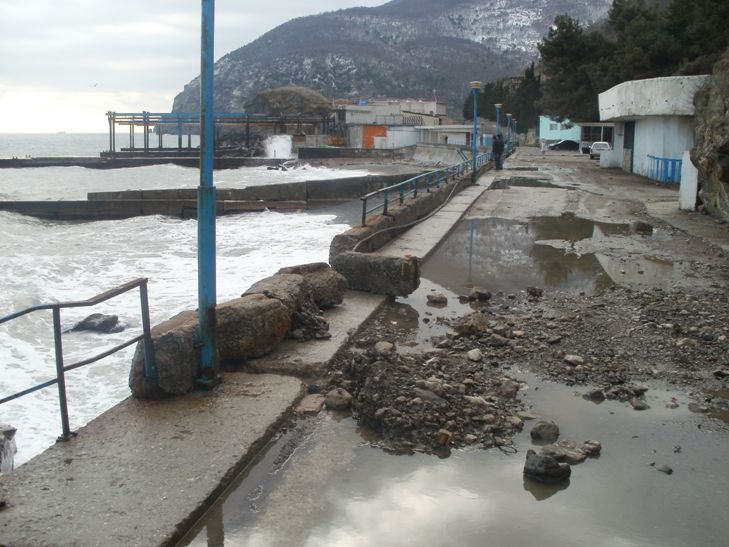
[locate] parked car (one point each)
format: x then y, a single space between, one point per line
598 148
565 144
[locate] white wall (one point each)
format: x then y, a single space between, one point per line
689 184
672 96
398 137
665 137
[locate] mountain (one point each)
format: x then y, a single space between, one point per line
404 48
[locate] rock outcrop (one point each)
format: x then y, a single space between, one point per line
710 154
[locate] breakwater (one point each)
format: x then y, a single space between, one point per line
182 202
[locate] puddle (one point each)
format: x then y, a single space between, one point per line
414 321
528 182
322 483
335 489
559 253
719 405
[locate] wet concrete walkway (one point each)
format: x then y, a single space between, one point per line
141 473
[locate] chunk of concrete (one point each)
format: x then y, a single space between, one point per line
291 289
326 284
247 327
250 326
388 275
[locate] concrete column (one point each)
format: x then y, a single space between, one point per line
689 184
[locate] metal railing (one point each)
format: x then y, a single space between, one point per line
665 169
61 369
412 186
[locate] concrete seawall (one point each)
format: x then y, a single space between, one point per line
116 162
183 202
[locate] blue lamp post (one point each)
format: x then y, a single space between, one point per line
475 86
497 106
206 271
508 129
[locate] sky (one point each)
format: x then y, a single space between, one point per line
65 63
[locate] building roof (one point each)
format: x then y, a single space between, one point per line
669 96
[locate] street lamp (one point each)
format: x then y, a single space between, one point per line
497 106
475 86
508 129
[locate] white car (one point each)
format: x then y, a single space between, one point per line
598 148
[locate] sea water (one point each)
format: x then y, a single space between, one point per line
51 261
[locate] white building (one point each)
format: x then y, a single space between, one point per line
654 125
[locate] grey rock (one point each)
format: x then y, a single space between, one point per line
639 404
568 455
437 299
596 396
574 360
509 389
497 341
479 294
545 431
475 355
99 322
665 469
474 323
384 347
338 399
544 468
536 292
591 448
711 135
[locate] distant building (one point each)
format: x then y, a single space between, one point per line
654 125
552 130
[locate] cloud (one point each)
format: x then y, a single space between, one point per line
140 53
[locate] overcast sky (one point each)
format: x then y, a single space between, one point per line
65 63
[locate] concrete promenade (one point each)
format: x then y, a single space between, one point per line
143 472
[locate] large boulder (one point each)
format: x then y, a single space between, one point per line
287 303
388 275
250 326
176 355
290 289
710 154
327 286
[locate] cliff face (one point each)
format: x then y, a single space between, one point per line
710 154
405 48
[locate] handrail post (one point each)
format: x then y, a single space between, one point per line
61 375
150 369
384 208
364 211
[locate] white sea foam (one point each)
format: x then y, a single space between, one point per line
61 261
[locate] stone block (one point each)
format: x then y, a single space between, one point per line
392 276
327 286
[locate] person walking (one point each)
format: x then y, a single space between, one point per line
544 147
497 149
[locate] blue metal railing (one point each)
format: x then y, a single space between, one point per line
665 169
61 369
412 186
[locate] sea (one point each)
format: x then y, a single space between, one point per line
46 261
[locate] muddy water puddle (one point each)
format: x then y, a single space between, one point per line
333 488
565 253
